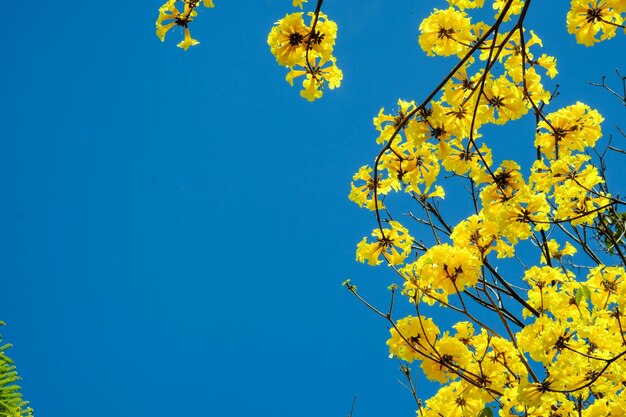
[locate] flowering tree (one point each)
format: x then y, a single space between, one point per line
549 340
533 271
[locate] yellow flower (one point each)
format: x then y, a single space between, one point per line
530 394
445 32
455 399
287 39
505 183
587 18
290 37
415 166
534 87
188 41
460 86
425 194
413 338
451 355
394 245
166 12
549 63
505 100
556 253
463 158
182 19
512 55
318 76
466 4
545 339
386 124
514 9
322 42
363 194
476 233
569 129
443 270
606 283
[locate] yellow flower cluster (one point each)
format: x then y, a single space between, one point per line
565 172
307 50
562 350
394 244
169 13
442 271
589 18
474 366
579 338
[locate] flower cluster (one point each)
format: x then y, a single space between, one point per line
394 244
306 48
588 19
170 13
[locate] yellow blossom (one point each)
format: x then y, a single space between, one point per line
298 3
443 270
287 39
555 252
451 355
318 75
188 41
467 4
363 194
445 32
514 9
169 11
588 18
569 129
412 338
394 245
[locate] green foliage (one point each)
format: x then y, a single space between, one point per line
486 412
612 230
11 402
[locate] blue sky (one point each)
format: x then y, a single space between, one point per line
176 224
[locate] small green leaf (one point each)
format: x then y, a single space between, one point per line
586 292
578 296
486 412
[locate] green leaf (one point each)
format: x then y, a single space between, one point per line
578 296
486 412
586 292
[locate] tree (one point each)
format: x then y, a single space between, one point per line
553 342
550 343
549 339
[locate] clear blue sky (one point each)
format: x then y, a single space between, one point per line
175 225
